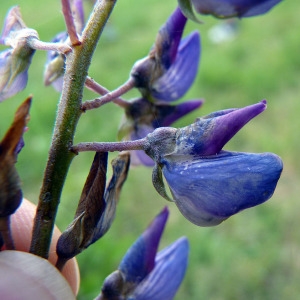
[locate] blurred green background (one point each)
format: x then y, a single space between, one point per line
253 255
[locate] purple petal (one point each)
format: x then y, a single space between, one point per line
211 189
176 81
167 275
162 55
231 8
208 135
180 110
169 37
139 260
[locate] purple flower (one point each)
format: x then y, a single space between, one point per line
142 117
167 275
171 66
146 274
207 183
228 8
14 62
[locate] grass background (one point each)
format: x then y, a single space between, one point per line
253 255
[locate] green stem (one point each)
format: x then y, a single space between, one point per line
60 156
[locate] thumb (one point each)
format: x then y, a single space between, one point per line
22 225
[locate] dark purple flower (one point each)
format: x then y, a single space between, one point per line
171 66
228 8
142 117
144 273
14 62
208 184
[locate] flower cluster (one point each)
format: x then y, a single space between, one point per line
207 183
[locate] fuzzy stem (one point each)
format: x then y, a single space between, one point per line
110 146
60 156
109 97
40 45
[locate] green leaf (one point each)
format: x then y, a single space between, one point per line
158 182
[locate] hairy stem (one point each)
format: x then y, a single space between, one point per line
109 97
40 45
110 146
92 85
60 156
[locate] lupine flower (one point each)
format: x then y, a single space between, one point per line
171 66
228 8
143 273
167 275
207 183
14 62
142 117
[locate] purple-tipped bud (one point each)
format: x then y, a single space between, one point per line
230 8
167 275
139 260
171 66
208 135
209 185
